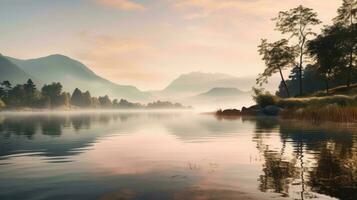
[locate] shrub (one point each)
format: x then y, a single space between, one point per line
264 99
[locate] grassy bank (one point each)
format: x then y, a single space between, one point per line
337 108
334 108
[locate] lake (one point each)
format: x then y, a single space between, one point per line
173 155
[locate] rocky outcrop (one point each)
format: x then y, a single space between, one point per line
252 111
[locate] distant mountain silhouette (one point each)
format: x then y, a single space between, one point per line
199 82
223 92
221 97
73 74
187 88
10 72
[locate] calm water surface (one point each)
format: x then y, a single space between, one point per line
173 155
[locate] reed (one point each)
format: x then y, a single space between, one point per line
331 113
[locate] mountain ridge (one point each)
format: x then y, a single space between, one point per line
11 72
221 91
74 74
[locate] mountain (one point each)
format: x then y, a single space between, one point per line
220 97
72 74
222 92
199 82
10 72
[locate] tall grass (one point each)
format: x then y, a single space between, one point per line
339 100
337 108
333 113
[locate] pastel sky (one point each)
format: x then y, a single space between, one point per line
147 43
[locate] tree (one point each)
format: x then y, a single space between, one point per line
30 92
326 50
277 56
5 87
86 99
347 13
76 98
115 103
95 102
53 92
298 23
65 99
347 17
105 102
16 96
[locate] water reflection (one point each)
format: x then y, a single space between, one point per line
182 155
323 158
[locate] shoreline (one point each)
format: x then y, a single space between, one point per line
332 113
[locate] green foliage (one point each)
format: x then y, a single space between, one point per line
65 99
95 102
51 96
327 50
76 98
53 92
347 13
333 53
86 99
314 81
105 102
298 23
81 99
264 99
16 96
277 56
126 104
5 87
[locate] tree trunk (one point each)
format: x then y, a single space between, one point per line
327 86
349 73
300 65
284 82
351 53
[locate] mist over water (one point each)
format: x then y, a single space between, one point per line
173 155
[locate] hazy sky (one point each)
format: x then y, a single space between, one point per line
147 43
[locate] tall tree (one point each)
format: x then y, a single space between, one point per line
95 102
105 102
327 53
347 17
53 92
65 99
298 22
5 87
277 56
16 96
76 98
347 13
30 90
86 99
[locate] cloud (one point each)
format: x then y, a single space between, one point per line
119 59
206 8
122 4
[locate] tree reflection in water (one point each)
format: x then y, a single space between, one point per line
323 160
